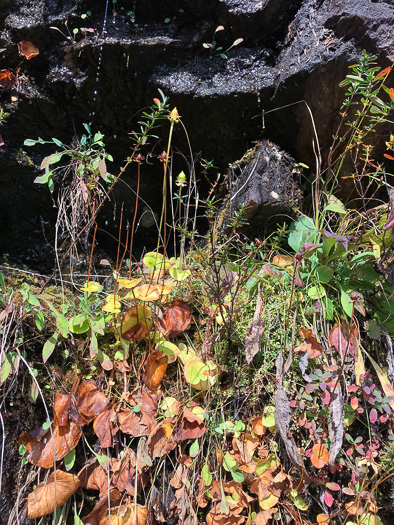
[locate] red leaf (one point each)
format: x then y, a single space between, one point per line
386 154
329 500
391 93
342 337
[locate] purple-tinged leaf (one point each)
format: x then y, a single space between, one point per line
348 491
310 387
326 398
373 415
343 239
333 486
308 249
390 221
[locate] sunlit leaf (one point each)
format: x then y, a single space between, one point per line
269 502
91 287
168 349
91 400
175 319
147 292
206 475
129 283
170 406
137 322
320 455
200 375
8 80
42 500
43 447
155 368
49 347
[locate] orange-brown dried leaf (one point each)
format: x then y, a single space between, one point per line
264 517
61 407
155 368
98 480
42 500
280 483
189 426
320 455
42 447
242 454
27 49
7 79
99 514
175 319
124 472
258 427
355 508
234 517
91 400
105 426
160 441
65 410
235 488
310 346
142 422
260 485
323 519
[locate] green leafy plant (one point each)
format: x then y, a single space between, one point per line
216 49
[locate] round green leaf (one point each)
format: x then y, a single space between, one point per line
316 292
324 273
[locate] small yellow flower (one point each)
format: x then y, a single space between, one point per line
174 115
91 287
181 179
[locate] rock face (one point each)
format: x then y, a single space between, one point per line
263 182
292 51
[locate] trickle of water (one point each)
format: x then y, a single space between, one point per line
102 37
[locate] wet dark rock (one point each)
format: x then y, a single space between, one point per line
263 184
293 51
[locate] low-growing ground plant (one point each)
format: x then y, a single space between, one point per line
239 382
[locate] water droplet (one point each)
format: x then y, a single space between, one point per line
93 114
95 91
114 136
